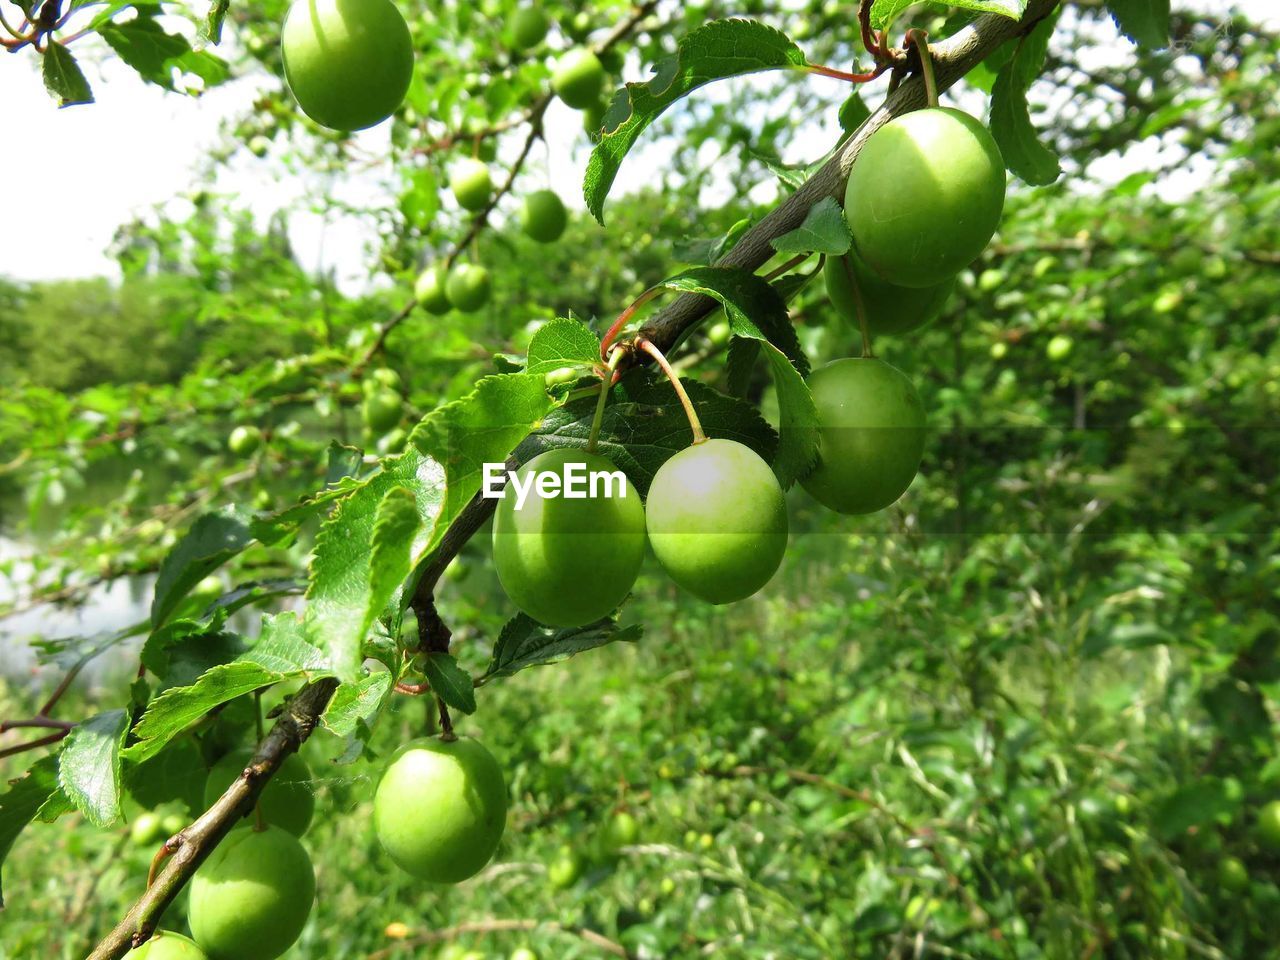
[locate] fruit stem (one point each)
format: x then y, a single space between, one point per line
787 267
920 40
694 424
867 77
859 307
446 723
606 384
612 333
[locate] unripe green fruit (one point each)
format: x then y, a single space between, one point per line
925 195
1233 875
528 28
1059 347
468 287
244 440
568 561
348 62
593 118
173 823
871 435
440 808
382 409
393 442
717 520
719 333
523 953
621 831
543 216
1268 827
565 869
251 898
384 376
146 829
890 309
430 291
471 184
164 945
579 78
286 801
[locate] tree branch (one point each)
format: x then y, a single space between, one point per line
196 842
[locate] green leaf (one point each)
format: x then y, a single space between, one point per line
358 702
756 311
89 766
884 12
178 707
395 528
276 527
644 425
285 647
1024 154
63 77
176 775
339 590
449 681
344 462
18 804
526 643
824 231
1202 803
182 650
209 29
212 540
853 112
720 49
482 427
562 343
1145 22
158 56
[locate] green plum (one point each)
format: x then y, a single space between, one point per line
471 184
871 435
1059 347
567 561
565 869
382 409
287 801
622 830
348 62
468 287
522 953
384 376
146 829
543 216
173 823
430 291
925 196
579 78
593 118
165 945
890 308
1268 826
244 440
1233 875
529 27
717 520
440 808
251 898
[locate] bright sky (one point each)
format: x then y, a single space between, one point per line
86 170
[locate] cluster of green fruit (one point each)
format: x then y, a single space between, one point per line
924 197
251 898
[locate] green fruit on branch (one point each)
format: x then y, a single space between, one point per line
471 184
251 898
522 953
287 801
568 561
579 78
565 869
1267 829
622 830
382 409
384 377
543 216
244 440
430 291
870 437
165 945
347 62
146 829
889 308
468 287
717 520
440 808
924 196
1233 875
528 28
173 823
593 118
1059 347
393 442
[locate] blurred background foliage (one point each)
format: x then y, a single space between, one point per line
1028 712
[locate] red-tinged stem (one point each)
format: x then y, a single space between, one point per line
859 307
606 384
42 722
871 39
623 318
412 689
167 850
843 75
694 424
